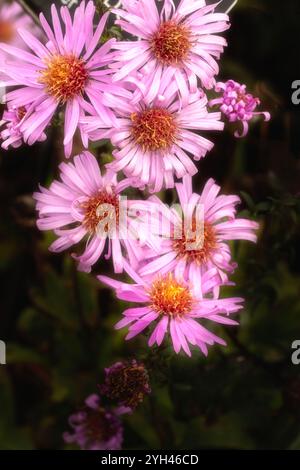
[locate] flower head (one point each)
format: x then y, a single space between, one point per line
87 204
173 306
181 41
11 122
96 427
155 139
195 239
68 73
237 104
127 383
12 17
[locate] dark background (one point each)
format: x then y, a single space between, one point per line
58 324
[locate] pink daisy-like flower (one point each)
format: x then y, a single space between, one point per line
86 204
12 17
96 427
11 134
69 73
155 138
182 42
174 307
237 104
195 239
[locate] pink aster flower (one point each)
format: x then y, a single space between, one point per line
11 122
87 205
238 105
173 306
156 138
12 17
195 239
96 427
182 42
67 73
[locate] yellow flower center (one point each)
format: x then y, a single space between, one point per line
195 246
95 215
21 112
169 297
154 129
65 77
171 43
7 31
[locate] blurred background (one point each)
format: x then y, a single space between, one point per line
58 323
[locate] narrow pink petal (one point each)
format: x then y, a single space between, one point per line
71 120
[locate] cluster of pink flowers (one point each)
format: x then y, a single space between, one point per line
148 96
